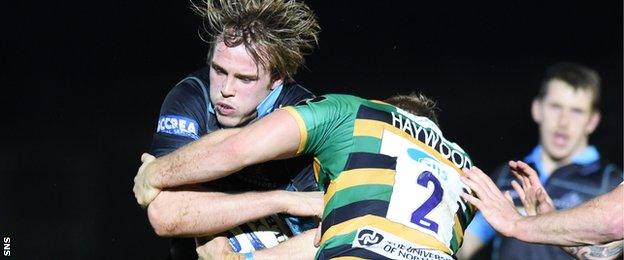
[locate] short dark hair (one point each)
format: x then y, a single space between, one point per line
276 33
417 104
576 75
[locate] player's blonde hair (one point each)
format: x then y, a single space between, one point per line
276 33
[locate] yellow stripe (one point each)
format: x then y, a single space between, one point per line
386 225
357 177
374 128
368 127
458 230
316 166
303 131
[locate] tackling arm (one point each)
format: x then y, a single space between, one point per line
272 137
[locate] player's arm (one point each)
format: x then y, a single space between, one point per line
273 137
611 250
219 154
298 247
597 221
199 212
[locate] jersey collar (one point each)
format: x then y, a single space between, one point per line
589 155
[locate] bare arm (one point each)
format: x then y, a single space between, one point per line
536 201
199 212
597 221
299 247
217 155
274 136
611 250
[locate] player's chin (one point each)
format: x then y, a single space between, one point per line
229 121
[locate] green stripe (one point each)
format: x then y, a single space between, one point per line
367 144
358 193
339 240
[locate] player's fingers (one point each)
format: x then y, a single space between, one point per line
318 235
476 186
507 195
472 200
529 172
486 181
146 157
519 190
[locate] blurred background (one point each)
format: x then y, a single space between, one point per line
83 83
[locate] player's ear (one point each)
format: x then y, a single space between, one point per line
594 120
536 110
276 83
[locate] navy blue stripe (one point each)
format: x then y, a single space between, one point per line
370 160
373 114
354 210
347 250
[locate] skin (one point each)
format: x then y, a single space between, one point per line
237 85
565 119
222 153
598 221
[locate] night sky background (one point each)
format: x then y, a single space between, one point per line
83 82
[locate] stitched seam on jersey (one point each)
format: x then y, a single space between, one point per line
203 88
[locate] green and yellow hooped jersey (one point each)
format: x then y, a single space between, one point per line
391 180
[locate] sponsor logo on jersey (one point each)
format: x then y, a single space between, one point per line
393 247
367 237
178 125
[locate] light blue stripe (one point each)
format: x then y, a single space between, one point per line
268 104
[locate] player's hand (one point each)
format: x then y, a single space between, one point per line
319 235
497 209
304 204
531 192
143 190
218 248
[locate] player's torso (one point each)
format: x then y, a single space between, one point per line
392 188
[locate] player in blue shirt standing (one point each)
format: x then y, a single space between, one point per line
566 110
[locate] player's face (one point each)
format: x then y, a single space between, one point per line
237 85
565 118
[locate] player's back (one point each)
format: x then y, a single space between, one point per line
391 180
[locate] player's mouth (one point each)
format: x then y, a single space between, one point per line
224 109
560 139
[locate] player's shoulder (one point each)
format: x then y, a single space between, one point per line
292 94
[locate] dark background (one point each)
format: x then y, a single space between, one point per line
83 81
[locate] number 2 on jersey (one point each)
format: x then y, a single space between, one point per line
419 215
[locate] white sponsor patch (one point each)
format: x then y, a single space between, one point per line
394 247
178 125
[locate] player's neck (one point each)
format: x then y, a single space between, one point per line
550 164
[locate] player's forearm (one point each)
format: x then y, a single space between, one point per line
597 221
611 250
298 247
199 161
201 213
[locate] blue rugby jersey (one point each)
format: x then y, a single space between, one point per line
585 178
187 114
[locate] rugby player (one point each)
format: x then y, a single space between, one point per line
256 48
566 111
391 179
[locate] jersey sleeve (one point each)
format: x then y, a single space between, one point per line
182 117
320 123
